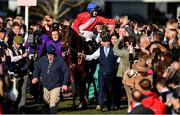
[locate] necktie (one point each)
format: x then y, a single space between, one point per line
106 51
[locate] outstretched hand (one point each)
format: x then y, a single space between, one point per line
124 20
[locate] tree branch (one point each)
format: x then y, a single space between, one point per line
37 14
45 9
61 4
48 4
69 4
68 9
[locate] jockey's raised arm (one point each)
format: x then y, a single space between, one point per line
86 21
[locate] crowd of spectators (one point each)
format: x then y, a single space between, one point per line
144 60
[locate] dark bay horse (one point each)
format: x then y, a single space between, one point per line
81 71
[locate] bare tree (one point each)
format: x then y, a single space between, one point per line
55 8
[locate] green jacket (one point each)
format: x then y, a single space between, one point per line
124 63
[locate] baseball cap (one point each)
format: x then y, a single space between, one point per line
51 49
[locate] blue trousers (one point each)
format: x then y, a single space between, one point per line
105 87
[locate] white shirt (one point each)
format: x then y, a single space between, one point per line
106 51
15 58
95 55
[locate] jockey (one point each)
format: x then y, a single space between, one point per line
86 21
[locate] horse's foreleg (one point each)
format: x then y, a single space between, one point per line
72 79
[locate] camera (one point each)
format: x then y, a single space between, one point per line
3 47
34 39
131 73
137 50
169 69
149 32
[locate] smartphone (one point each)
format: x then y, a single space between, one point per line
137 50
169 69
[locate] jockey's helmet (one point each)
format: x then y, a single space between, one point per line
92 6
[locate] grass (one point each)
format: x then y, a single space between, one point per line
65 107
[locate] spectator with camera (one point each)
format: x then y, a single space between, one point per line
171 70
133 75
9 22
97 33
31 47
124 49
43 37
111 28
4 79
3 45
144 43
171 35
18 70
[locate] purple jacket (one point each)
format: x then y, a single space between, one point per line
30 49
42 47
57 45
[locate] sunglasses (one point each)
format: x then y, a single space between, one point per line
173 30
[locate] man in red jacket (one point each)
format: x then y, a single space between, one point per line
86 21
151 99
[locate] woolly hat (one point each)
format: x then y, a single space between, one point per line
18 39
